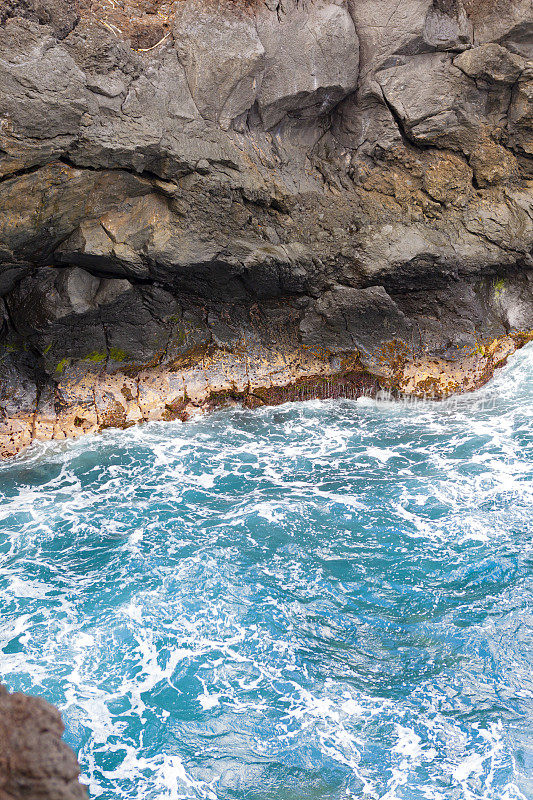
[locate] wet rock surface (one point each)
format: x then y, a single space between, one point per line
34 761
202 200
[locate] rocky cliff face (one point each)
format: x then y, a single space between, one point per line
35 764
204 201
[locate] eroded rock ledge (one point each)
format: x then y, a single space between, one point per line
236 201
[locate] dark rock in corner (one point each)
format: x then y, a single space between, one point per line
35 764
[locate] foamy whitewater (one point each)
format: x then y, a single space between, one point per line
320 600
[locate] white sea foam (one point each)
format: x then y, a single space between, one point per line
318 600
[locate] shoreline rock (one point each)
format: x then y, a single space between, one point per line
88 401
200 200
34 761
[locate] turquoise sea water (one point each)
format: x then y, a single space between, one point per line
321 600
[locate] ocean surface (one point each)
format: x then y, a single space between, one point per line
317 601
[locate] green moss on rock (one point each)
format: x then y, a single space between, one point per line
116 354
61 366
499 288
96 357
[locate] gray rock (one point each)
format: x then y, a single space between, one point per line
438 104
42 99
345 318
447 26
42 208
492 63
311 60
510 24
71 314
514 300
520 123
223 78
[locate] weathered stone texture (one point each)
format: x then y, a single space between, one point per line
211 189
